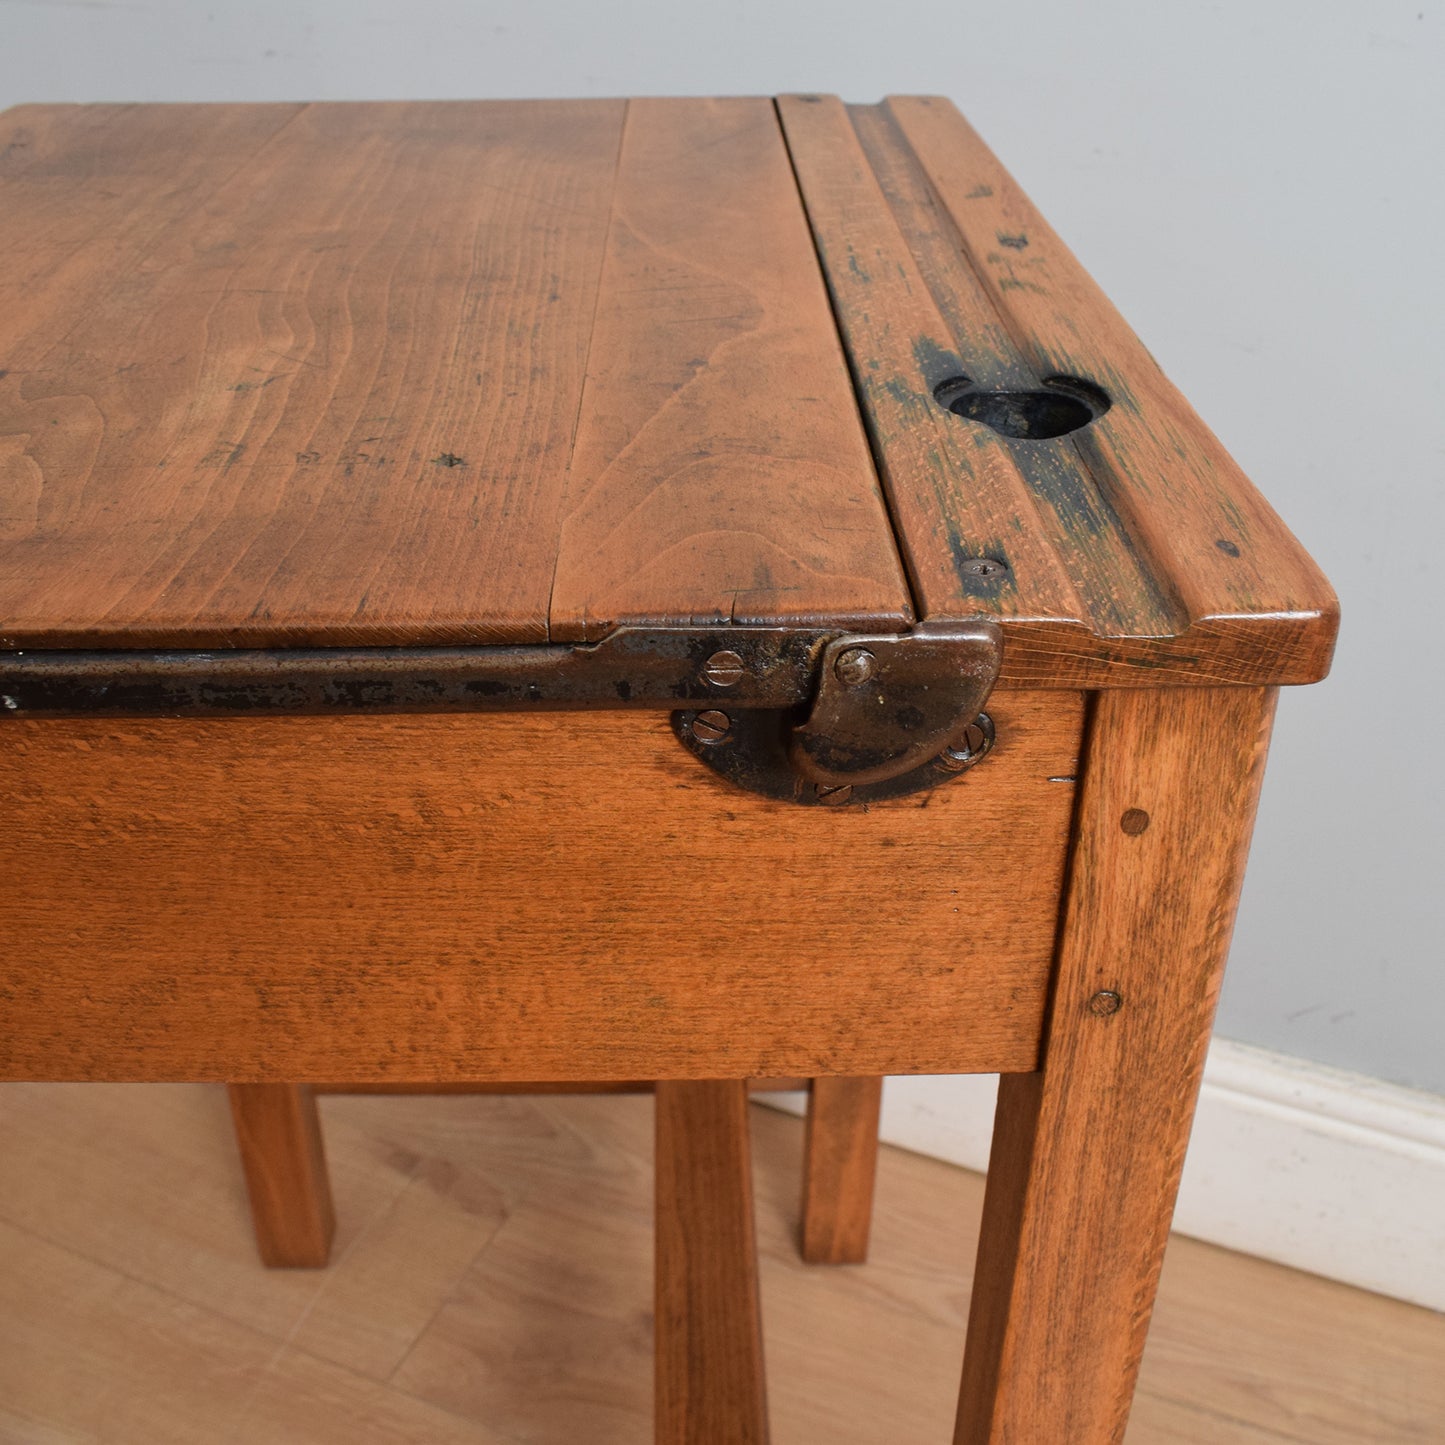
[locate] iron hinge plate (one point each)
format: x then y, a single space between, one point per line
807 714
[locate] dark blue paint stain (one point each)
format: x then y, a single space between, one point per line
935 362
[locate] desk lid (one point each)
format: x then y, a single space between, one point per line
381 375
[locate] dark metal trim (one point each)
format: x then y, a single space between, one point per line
659 668
806 713
753 753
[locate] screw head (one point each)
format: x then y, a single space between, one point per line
1104 1003
834 794
984 567
711 726
854 666
723 669
967 747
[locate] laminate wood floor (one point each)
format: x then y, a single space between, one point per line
492 1285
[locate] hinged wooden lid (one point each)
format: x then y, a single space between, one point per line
405 374
430 374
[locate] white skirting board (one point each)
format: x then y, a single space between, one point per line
1318 1169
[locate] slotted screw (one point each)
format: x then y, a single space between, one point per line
968 747
834 794
723 669
711 726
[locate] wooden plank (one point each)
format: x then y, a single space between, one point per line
720 471
1134 551
281 375
957 496
1088 1151
840 1160
492 898
709 1380
278 1133
1119 594
1212 540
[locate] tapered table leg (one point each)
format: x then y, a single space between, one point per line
279 1134
840 1161
1087 1152
709 1382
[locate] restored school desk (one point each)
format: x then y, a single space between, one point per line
688 590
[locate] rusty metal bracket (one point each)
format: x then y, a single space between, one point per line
791 712
891 715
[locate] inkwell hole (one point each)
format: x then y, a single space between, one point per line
1067 404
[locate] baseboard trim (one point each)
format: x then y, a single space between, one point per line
1325 1171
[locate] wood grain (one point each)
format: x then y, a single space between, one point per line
262 383
1088 1151
1118 593
956 495
492 898
1136 553
709 1384
720 471
278 1134
840 1158
287 403
1207 530
281 375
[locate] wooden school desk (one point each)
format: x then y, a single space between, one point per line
681 590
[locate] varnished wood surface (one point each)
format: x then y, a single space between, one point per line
720 472
492 898
840 1158
492 1283
283 1156
709 1385
1087 1152
406 373
388 373
282 374
1136 553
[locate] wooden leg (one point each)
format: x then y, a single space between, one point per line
1087 1152
279 1134
840 1161
709 1384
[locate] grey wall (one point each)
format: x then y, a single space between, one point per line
1257 184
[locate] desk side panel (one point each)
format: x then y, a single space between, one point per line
495 898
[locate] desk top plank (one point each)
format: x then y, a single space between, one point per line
318 392
721 471
284 375
1118 592
1136 553
957 499
1206 529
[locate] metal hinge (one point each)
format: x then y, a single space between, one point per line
810 715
